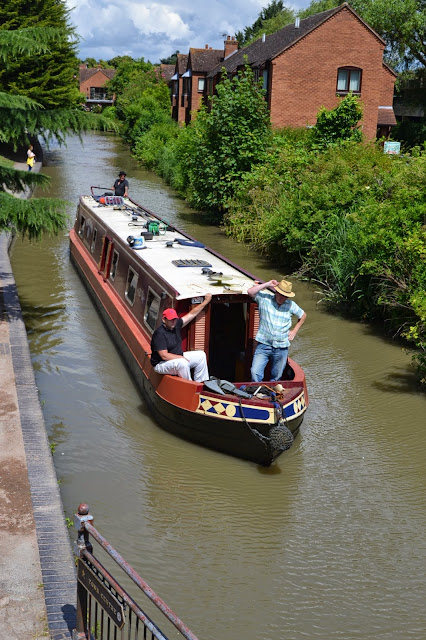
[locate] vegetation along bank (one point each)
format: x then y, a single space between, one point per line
322 201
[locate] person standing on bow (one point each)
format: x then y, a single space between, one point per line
166 346
275 332
121 186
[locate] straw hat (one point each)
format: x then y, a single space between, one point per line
284 288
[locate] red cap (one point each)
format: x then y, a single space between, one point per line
170 314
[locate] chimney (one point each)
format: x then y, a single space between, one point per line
297 23
207 46
231 45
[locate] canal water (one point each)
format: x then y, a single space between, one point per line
328 543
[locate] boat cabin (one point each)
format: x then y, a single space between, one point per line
150 265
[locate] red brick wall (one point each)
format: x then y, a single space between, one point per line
388 82
181 107
196 97
98 79
304 77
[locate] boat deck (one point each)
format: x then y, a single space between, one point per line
188 281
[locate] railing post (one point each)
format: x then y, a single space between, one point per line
81 632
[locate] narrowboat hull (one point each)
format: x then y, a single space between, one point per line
225 423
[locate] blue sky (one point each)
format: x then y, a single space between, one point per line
158 28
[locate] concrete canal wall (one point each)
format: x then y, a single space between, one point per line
37 570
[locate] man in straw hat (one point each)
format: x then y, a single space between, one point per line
166 346
275 332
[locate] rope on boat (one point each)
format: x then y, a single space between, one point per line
280 437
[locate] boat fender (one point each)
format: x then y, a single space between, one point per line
280 437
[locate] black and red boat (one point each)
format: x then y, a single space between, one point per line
135 265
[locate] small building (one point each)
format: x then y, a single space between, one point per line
178 103
189 90
312 63
92 84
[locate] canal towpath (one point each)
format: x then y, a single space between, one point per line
37 572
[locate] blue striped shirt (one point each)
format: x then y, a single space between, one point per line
275 319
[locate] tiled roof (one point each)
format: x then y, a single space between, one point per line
386 116
277 42
203 60
167 71
85 74
182 61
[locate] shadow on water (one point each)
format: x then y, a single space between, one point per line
273 470
403 382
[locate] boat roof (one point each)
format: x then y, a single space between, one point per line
174 263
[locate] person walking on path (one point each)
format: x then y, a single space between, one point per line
166 345
30 157
121 186
275 332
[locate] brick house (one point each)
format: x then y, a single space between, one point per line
190 78
92 84
313 62
178 107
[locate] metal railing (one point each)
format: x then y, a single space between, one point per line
106 611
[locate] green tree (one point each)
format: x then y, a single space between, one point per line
49 76
119 60
22 119
338 125
171 59
142 99
272 18
227 140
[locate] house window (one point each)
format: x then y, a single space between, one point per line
93 244
152 308
348 79
201 82
98 93
114 265
132 281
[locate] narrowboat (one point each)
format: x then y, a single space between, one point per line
134 264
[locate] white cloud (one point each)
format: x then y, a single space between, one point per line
155 30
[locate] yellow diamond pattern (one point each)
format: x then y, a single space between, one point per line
206 405
219 408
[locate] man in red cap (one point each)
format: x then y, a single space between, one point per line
166 346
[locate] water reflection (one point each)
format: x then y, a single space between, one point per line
328 543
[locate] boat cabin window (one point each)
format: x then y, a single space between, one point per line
114 265
132 281
93 244
151 309
82 225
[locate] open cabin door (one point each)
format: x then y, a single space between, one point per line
225 332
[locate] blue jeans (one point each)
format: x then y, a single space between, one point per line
265 353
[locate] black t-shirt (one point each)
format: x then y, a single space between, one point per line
166 340
120 187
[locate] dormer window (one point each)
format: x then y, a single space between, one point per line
349 79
